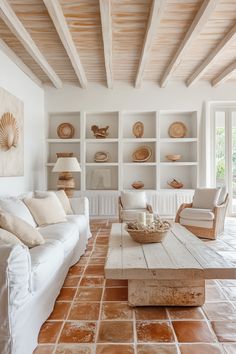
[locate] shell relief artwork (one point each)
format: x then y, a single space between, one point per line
9 132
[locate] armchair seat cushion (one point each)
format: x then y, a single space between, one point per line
134 200
197 214
206 224
129 215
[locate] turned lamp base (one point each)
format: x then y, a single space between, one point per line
67 183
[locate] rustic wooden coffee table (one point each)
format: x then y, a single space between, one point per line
172 272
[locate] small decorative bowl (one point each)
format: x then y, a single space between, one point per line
173 158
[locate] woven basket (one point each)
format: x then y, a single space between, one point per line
147 237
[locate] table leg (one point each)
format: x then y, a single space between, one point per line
166 292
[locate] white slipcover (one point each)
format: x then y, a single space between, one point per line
129 215
207 224
197 214
30 280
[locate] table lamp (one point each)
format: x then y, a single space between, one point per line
66 165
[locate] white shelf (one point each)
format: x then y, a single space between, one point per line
100 164
138 140
106 140
178 163
139 163
178 140
63 141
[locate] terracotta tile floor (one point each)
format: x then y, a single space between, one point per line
91 315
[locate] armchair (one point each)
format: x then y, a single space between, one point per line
130 203
205 216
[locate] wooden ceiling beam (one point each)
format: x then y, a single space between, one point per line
225 75
17 28
106 21
212 57
196 27
12 55
152 27
58 18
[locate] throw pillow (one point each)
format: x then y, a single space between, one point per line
62 197
21 229
46 210
8 237
206 198
16 207
133 200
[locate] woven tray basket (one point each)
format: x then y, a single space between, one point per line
147 237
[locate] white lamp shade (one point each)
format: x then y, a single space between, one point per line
67 164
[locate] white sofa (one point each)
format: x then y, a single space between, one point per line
31 279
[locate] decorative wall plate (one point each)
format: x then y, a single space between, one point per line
177 130
138 129
9 132
101 156
142 154
173 158
65 131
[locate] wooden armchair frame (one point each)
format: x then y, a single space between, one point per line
120 209
218 222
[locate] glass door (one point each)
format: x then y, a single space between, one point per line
224 156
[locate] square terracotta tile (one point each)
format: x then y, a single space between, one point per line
77 269
116 282
84 311
66 294
116 311
224 330
115 294
115 332
88 294
94 270
193 331
216 311
181 313
71 282
97 260
78 332
60 311
151 313
74 349
102 240
154 332
44 349
214 293
200 349
114 349
157 349
93 282
49 332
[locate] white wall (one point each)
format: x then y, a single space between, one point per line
175 96
17 83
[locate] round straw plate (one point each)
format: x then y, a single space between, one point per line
177 130
65 131
142 154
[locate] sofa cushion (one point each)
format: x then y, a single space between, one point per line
62 197
46 211
134 200
45 261
206 198
81 221
9 238
16 207
67 233
197 214
207 224
129 215
222 196
21 229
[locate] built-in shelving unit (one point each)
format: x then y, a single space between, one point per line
119 172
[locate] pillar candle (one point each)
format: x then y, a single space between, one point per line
149 218
141 218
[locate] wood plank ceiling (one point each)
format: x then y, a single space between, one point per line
79 42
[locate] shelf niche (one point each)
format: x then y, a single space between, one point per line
56 119
147 118
102 120
145 174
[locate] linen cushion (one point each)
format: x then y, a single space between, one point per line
131 215
206 224
46 210
62 197
197 214
8 237
16 207
133 200
222 196
21 229
206 198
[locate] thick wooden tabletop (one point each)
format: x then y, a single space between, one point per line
180 256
